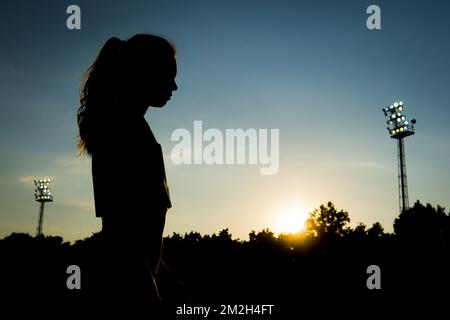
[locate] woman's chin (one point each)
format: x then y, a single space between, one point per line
160 104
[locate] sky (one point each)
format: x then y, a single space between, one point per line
311 69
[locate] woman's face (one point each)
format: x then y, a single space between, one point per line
156 83
160 91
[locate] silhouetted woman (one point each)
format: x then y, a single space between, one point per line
130 188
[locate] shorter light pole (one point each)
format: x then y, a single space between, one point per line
42 195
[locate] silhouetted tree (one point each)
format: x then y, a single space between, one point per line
224 235
424 224
263 237
327 221
376 231
359 232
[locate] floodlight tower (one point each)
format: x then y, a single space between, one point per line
400 128
42 195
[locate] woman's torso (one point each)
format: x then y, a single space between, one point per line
128 171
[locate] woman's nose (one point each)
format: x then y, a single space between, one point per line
174 85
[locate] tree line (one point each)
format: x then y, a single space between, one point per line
327 262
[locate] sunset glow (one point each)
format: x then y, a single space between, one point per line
291 220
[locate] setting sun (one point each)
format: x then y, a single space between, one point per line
291 220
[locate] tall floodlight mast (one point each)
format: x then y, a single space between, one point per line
399 128
42 195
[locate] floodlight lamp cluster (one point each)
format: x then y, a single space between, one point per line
42 191
397 124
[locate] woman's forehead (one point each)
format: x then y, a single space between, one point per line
161 65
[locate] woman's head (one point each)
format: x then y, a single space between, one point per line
126 78
149 69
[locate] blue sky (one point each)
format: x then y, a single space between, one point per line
308 68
